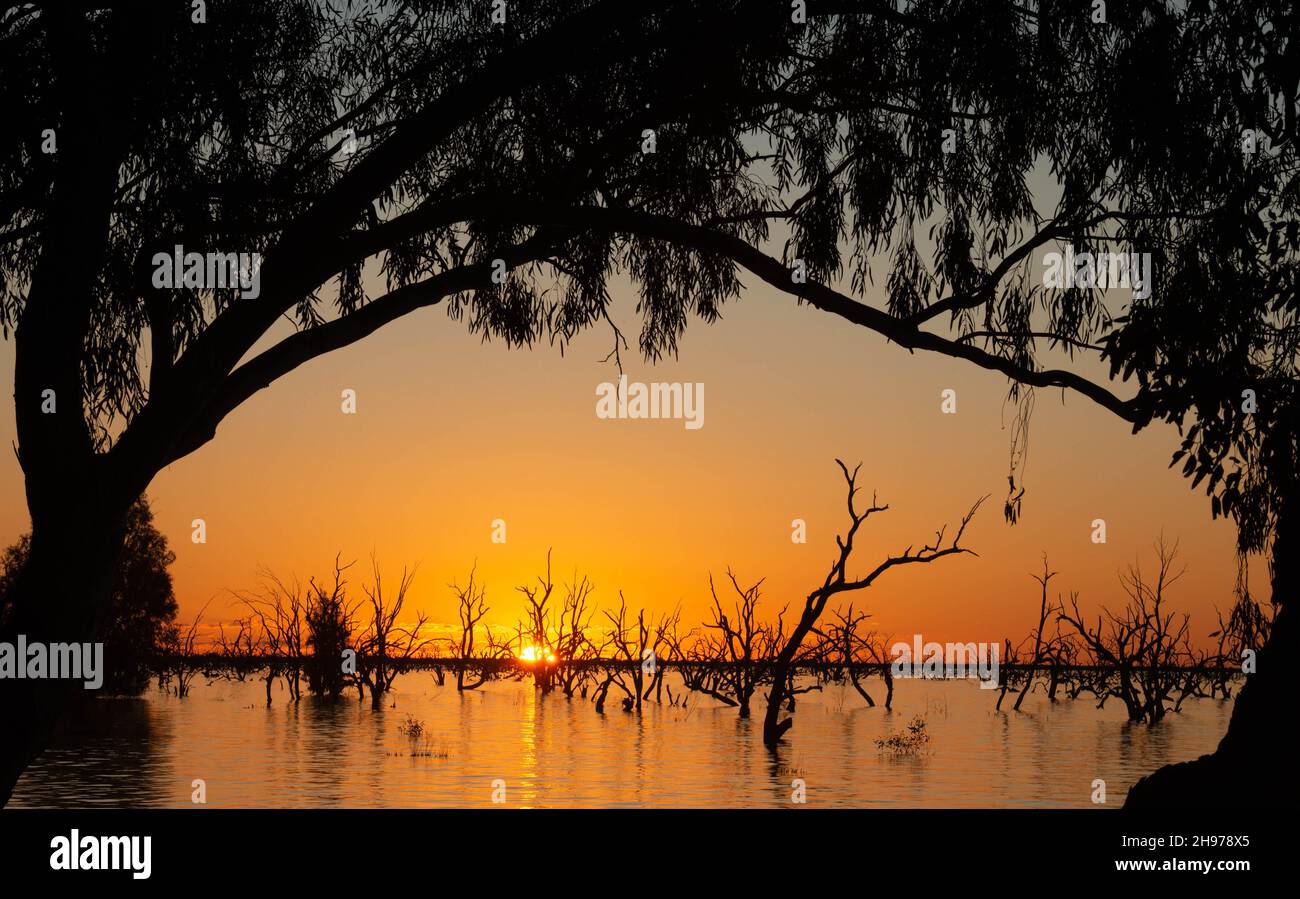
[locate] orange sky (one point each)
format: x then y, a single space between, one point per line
451 434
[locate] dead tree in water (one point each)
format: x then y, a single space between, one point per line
1144 645
473 608
626 672
877 646
279 611
702 673
743 646
328 616
240 653
812 654
1009 672
1061 655
385 646
839 581
675 647
572 646
660 650
853 649
536 628
178 649
1043 646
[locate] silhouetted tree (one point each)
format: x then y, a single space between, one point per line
534 634
242 650
839 580
572 644
625 645
279 610
853 648
386 645
658 652
329 616
177 664
141 603
702 672
744 647
473 608
877 647
1143 644
1043 643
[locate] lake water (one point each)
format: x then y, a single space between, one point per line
551 751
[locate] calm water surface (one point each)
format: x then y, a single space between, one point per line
556 752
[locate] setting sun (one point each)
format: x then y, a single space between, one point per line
533 654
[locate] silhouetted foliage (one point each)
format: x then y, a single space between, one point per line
142 605
329 616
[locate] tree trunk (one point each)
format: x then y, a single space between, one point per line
60 596
78 500
1251 766
774 729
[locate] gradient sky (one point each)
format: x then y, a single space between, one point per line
451 433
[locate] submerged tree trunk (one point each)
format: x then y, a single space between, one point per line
1250 766
774 727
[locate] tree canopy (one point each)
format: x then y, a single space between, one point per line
935 148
